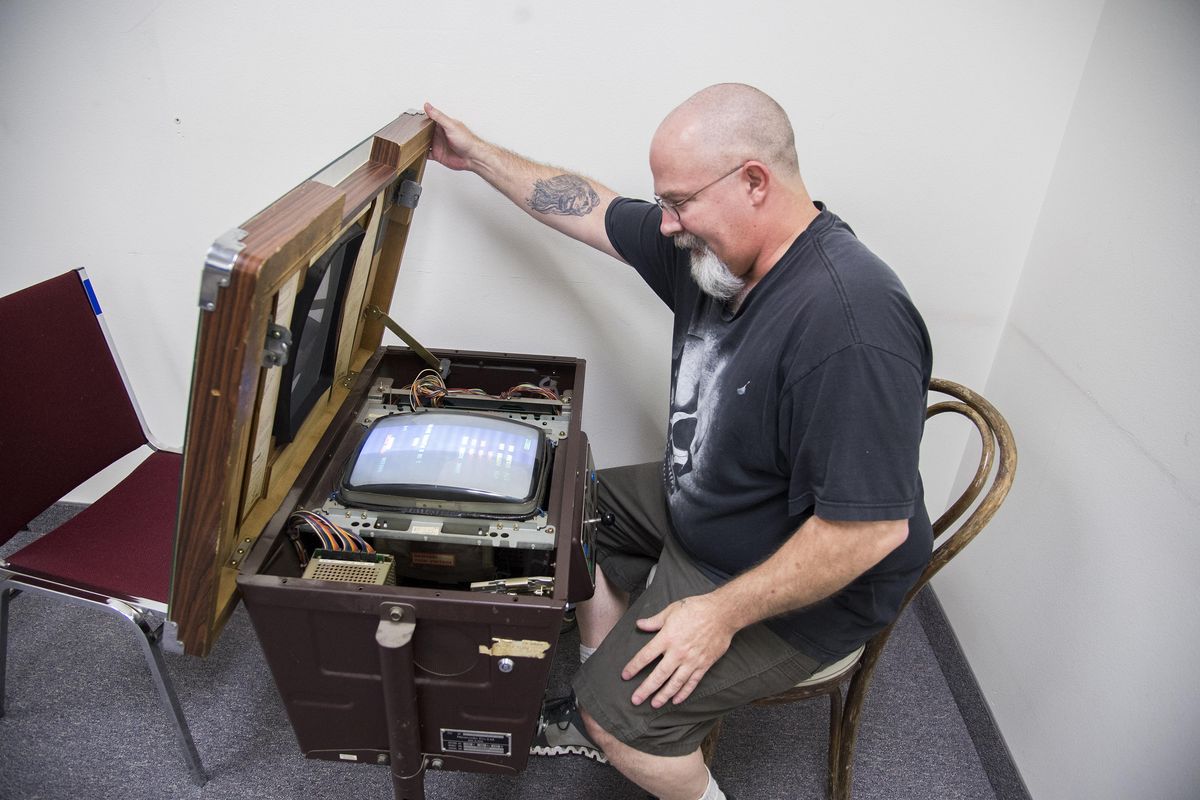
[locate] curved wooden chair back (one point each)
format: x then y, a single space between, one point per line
998 446
952 532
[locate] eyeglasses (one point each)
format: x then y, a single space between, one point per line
673 206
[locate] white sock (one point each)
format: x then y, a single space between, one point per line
585 652
713 792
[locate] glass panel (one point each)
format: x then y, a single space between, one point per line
341 167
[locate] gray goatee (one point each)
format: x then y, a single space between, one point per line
708 271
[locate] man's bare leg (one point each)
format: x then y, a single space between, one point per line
665 777
598 616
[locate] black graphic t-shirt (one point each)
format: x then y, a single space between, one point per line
809 399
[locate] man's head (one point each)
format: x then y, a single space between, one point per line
726 173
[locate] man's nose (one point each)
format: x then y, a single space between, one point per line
670 224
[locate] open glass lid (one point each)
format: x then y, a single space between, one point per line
281 331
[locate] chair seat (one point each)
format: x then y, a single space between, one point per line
835 670
122 544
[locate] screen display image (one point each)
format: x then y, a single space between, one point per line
452 456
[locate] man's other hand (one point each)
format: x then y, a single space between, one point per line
691 635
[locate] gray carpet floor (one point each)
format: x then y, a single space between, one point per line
83 721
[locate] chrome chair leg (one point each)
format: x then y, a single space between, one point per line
150 636
5 595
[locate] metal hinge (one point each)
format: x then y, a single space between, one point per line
277 346
408 193
218 264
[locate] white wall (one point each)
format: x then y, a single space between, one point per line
1078 608
133 133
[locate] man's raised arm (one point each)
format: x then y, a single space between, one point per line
565 201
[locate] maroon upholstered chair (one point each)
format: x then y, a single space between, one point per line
66 413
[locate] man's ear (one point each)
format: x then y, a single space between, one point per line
758 180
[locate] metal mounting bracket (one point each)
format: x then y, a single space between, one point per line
170 638
375 313
277 346
408 193
218 264
397 621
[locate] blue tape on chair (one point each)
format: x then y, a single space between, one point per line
87 287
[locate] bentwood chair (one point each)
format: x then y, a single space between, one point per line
66 413
997 465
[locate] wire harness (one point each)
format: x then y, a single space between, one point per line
328 536
428 389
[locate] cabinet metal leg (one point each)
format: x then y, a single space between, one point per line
394 637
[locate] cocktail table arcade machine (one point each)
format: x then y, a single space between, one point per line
405 527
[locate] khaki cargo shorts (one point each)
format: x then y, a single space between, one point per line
758 663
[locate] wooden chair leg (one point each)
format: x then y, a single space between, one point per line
856 696
708 748
846 758
835 742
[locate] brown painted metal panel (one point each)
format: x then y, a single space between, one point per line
320 638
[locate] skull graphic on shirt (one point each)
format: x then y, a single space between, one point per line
698 367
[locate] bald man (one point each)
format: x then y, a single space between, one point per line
786 521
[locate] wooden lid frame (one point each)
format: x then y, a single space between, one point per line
234 475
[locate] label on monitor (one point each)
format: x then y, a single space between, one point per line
484 743
422 559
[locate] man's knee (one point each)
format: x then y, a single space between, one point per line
601 737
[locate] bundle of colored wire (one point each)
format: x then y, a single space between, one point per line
330 536
428 387
527 389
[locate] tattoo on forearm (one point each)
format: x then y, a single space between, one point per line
566 195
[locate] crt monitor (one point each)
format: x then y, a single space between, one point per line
449 463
